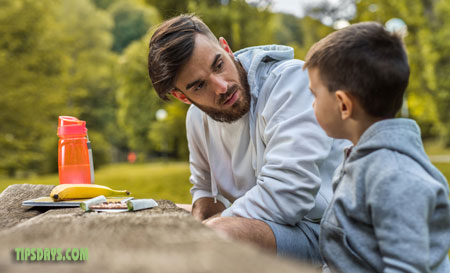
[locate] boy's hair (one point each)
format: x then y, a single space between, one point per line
367 61
171 46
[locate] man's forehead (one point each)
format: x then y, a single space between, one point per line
203 56
205 41
204 49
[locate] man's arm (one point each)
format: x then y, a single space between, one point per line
205 208
204 205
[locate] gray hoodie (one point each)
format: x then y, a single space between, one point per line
390 211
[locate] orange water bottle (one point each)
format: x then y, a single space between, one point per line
75 163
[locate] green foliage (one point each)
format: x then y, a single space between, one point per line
131 22
103 4
445 169
31 66
169 136
239 23
137 100
289 29
89 79
88 58
313 31
441 31
55 61
169 8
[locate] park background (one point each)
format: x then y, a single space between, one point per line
88 59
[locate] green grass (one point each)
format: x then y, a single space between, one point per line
445 169
152 180
436 148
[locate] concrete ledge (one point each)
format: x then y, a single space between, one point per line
162 239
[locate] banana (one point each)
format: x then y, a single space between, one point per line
82 191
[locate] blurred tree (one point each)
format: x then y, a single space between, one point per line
440 22
89 80
288 29
329 12
87 58
241 24
171 131
131 22
136 97
31 64
170 8
138 103
55 60
313 31
103 4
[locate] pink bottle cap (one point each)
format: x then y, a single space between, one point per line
69 126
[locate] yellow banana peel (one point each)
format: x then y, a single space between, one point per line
83 191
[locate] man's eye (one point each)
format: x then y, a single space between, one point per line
199 86
219 65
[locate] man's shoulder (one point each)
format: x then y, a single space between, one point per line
293 65
281 68
285 80
194 116
193 112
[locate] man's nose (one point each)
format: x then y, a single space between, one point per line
220 85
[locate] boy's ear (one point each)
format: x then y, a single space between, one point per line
180 96
223 43
345 104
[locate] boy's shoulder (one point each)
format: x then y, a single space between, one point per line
392 149
388 170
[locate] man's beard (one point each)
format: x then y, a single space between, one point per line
239 108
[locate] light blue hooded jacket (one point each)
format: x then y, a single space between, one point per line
390 211
279 163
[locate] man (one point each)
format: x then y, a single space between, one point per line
260 164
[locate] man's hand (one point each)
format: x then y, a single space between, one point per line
205 207
205 222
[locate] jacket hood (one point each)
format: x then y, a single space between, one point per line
252 58
258 62
399 135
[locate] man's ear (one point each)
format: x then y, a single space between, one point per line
180 96
223 43
345 104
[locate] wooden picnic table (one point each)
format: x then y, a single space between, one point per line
161 239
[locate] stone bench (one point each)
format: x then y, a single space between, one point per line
162 239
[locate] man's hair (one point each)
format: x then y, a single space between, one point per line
171 46
367 61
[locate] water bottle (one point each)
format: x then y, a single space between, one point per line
75 164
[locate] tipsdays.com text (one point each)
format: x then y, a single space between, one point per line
51 254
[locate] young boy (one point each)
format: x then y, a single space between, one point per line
390 211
